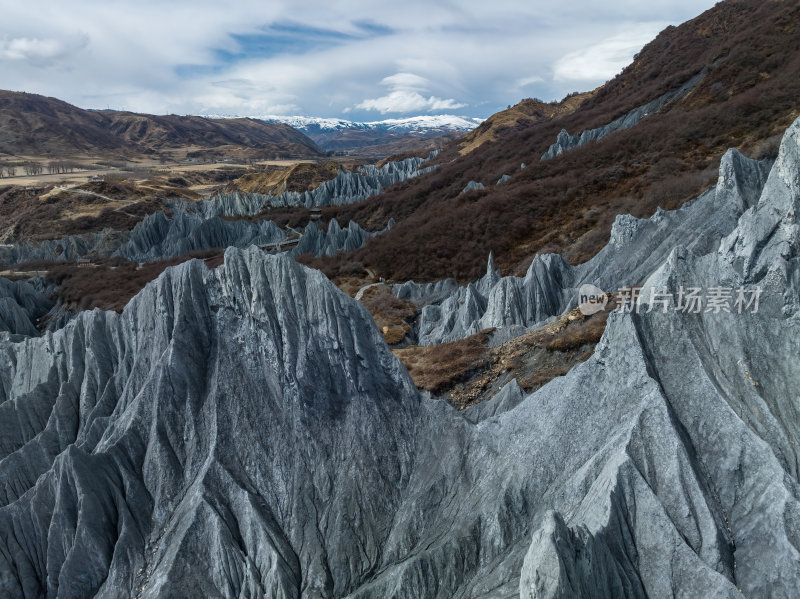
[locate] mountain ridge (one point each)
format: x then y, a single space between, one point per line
381 138
420 123
31 124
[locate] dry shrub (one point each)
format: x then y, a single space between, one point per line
392 315
438 367
110 284
585 332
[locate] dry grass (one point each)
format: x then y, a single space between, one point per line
297 177
437 368
583 331
51 212
392 315
466 372
524 114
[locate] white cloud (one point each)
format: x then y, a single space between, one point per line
525 81
406 96
406 81
37 51
607 58
408 101
191 56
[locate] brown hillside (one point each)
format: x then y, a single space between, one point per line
520 116
299 177
35 125
49 213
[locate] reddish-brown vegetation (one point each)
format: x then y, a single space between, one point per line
108 284
49 213
437 368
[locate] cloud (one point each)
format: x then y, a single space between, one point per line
406 82
321 58
406 96
37 51
607 58
405 101
525 81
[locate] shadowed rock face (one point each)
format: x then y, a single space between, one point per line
159 237
334 239
246 432
68 248
236 417
21 305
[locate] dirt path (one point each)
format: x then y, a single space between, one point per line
85 192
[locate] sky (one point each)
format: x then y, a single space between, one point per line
353 59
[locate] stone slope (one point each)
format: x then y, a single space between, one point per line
135 481
158 237
329 242
21 305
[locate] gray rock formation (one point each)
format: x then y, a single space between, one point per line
68 249
505 178
245 432
636 249
225 204
347 187
158 237
565 141
334 239
494 302
424 293
21 306
121 472
508 398
473 185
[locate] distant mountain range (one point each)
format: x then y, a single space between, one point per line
434 124
34 125
379 138
37 126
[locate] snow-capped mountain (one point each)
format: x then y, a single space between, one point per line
427 123
378 139
444 123
439 122
375 139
